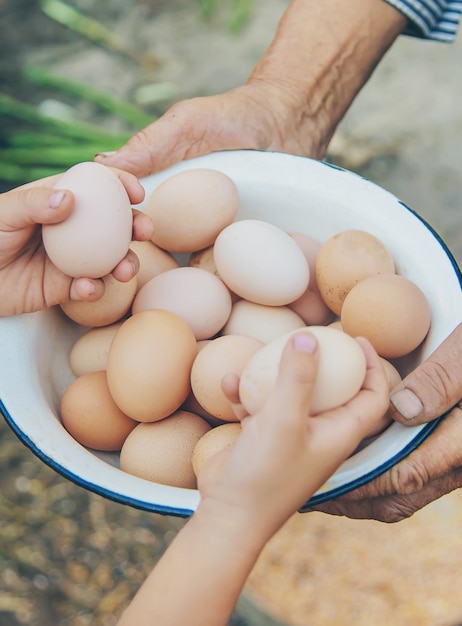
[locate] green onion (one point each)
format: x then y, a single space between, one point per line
18 175
20 111
93 30
59 156
240 14
208 8
120 108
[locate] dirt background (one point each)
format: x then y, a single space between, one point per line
70 558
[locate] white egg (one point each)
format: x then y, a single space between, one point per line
341 370
200 298
97 234
261 263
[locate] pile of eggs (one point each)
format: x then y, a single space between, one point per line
148 369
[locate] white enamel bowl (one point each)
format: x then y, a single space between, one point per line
296 194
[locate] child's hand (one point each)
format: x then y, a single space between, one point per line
28 279
283 455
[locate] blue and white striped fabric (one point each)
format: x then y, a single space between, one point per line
431 19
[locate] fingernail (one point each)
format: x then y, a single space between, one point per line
57 198
305 343
105 154
91 289
407 403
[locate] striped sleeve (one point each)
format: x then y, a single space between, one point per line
431 19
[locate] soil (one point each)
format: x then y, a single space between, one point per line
70 558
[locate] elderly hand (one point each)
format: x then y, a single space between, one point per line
28 279
294 98
256 116
432 390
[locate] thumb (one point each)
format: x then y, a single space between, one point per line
432 388
26 206
158 146
188 129
293 388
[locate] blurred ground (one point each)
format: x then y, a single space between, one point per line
70 558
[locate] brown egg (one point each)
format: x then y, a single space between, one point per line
389 310
149 364
162 451
153 261
224 355
215 440
189 209
112 307
192 405
90 351
347 258
91 416
262 322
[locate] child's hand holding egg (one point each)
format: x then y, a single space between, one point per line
94 240
97 234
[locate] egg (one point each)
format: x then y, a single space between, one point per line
345 259
223 355
203 259
261 322
149 364
112 307
214 441
91 416
390 310
310 306
341 370
90 352
162 451
200 298
190 208
192 405
261 263
153 260
97 234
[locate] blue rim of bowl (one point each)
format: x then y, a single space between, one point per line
185 512
331 494
318 498
89 486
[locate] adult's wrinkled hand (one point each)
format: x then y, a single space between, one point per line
255 116
432 390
